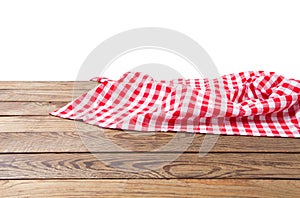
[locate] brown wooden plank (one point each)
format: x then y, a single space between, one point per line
150 165
40 95
43 91
21 134
50 85
150 188
29 108
45 123
21 142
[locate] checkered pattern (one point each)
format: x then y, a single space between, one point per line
248 103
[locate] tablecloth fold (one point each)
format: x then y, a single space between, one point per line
248 103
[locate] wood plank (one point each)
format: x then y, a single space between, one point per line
150 188
48 85
20 134
29 108
21 142
45 123
43 91
149 165
40 95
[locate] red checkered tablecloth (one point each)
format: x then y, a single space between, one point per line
247 103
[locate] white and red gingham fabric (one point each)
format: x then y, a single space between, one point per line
247 103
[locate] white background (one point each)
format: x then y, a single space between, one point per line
49 40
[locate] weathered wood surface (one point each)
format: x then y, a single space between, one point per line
160 165
131 141
40 95
45 156
46 85
150 188
29 108
21 134
43 91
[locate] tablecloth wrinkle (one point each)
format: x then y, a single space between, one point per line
247 103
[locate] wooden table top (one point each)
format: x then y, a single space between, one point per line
46 156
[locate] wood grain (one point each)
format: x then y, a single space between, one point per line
150 188
29 108
43 91
20 134
40 95
45 123
46 85
149 165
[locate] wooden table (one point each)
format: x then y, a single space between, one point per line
45 156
